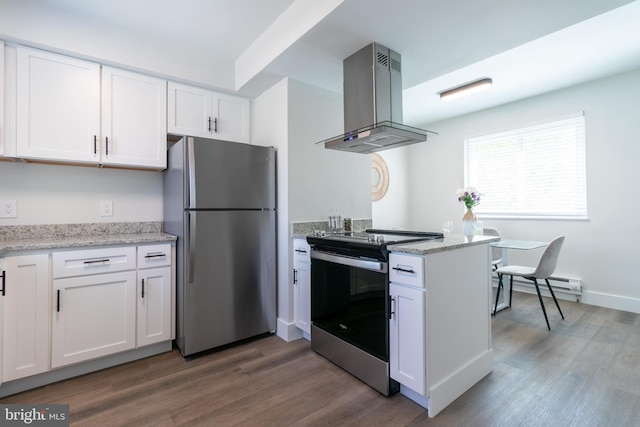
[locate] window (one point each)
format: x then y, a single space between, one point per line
535 172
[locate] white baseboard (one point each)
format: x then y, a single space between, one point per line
615 302
288 331
600 299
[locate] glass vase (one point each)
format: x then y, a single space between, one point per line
469 223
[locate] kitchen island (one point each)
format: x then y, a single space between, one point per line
440 326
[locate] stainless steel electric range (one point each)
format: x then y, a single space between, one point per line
350 301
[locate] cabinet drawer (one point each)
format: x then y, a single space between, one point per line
150 256
301 250
407 269
93 261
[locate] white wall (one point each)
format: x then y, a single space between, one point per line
601 251
269 127
57 194
323 179
293 116
45 26
390 212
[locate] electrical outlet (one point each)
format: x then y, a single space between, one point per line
106 208
8 209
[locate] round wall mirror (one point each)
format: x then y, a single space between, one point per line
379 177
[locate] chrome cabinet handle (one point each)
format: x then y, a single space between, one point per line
155 255
3 282
392 312
97 260
404 270
295 276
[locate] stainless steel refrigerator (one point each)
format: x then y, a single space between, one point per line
219 199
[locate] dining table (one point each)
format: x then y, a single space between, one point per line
506 245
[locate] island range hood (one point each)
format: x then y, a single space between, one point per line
373 104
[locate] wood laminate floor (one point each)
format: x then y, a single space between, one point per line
584 372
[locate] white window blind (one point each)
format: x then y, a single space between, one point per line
535 172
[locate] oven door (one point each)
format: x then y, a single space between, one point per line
349 299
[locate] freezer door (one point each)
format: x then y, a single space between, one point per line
230 280
230 175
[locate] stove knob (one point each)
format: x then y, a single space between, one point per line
371 238
380 240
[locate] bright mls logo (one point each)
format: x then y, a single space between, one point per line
34 415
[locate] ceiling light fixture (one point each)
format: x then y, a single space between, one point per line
466 89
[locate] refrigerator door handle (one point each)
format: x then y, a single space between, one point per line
191 173
191 224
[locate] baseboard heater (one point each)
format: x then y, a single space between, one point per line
562 286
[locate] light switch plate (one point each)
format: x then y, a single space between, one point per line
106 208
8 209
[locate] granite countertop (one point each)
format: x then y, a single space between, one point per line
61 236
451 241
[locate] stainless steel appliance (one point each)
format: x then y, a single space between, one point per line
350 305
219 199
372 80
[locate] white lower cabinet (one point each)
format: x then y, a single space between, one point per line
154 294
62 308
2 285
407 336
440 327
25 320
93 316
302 284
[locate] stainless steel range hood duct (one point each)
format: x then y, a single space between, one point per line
373 104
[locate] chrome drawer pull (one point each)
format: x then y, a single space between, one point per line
404 270
97 261
155 255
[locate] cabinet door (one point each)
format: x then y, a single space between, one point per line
2 136
58 107
154 305
189 110
302 295
407 337
302 284
93 316
134 119
2 291
25 323
231 118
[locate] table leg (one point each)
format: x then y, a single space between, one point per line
506 283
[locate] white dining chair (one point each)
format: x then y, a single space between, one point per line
544 270
496 253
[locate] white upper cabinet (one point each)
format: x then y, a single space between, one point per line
134 119
58 107
70 110
232 114
203 113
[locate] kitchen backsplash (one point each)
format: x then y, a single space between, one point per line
307 228
70 230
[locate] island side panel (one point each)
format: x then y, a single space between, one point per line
458 320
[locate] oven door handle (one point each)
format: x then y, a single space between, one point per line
366 264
